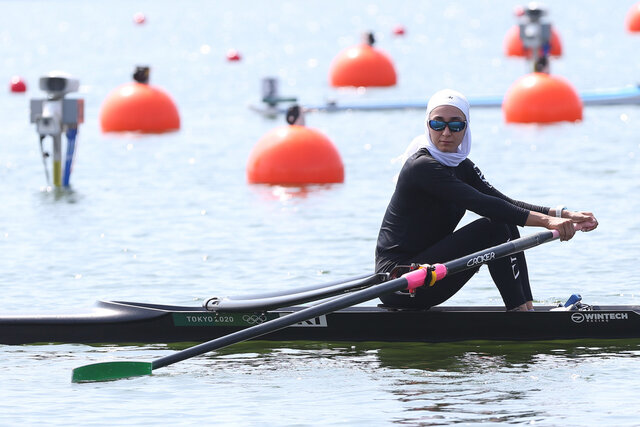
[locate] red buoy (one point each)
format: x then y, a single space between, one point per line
233 55
513 43
294 155
362 65
17 84
541 98
139 18
632 20
399 30
139 107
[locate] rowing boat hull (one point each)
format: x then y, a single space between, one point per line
125 322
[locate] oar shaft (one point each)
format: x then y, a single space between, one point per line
362 277
348 300
487 255
287 300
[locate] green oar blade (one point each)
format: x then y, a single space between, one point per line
107 371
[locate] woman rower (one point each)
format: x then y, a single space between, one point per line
436 186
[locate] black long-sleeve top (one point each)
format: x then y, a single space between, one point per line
429 201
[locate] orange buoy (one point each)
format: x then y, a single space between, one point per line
541 98
513 43
17 84
294 155
139 107
362 65
632 19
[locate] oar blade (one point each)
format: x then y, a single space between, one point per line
108 371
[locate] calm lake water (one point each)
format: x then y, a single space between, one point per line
171 219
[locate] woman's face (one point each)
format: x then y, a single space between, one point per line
445 140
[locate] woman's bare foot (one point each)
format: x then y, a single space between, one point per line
522 307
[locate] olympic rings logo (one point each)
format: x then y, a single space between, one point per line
254 319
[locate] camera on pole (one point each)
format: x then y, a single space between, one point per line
54 115
535 33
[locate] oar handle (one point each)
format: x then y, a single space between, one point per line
500 251
484 256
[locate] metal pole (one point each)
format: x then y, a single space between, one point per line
57 160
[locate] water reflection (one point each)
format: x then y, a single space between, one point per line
546 382
49 194
495 382
455 359
470 357
287 193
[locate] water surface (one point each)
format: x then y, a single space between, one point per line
170 218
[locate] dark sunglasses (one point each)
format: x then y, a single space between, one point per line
454 126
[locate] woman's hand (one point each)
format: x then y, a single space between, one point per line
563 225
566 225
585 221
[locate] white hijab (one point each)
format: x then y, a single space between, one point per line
443 97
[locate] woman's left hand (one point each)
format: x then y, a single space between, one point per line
586 220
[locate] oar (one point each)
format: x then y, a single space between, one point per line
355 279
105 371
499 251
289 299
487 255
123 369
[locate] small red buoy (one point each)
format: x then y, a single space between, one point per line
513 43
233 55
139 107
139 18
362 65
541 98
632 20
398 30
17 84
294 155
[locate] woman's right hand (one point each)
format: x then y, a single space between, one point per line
563 225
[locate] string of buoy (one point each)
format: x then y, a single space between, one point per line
139 107
294 155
